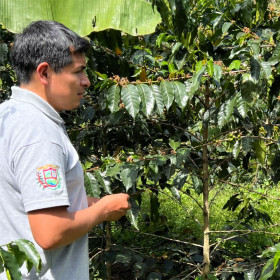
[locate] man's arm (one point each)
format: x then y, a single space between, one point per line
56 227
92 200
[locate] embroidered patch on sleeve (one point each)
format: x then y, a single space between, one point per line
48 176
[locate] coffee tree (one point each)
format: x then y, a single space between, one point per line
190 110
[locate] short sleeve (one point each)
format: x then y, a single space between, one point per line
39 170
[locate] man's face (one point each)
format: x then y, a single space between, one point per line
67 87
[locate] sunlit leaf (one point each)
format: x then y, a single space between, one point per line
113 98
217 73
249 89
266 68
91 185
255 68
234 65
131 99
133 214
30 251
267 270
260 150
134 17
128 176
167 91
173 144
103 182
10 264
158 98
147 98
180 93
226 111
210 68
276 260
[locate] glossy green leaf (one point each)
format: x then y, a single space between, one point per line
250 275
129 175
30 251
236 149
255 68
197 184
147 98
266 68
247 144
176 193
135 17
131 99
193 84
226 27
159 99
260 150
173 144
91 185
242 106
217 73
10 264
226 111
113 98
276 260
249 89
19 255
133 214
210 67
234 65
275 55
267 270
180 94
168 94
103 182
1 266
113 169
182 155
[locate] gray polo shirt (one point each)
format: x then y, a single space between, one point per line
39 168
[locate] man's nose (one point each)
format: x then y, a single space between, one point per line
85 81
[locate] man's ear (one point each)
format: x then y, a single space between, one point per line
43 72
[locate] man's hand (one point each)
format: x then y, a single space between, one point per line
115 206
56 227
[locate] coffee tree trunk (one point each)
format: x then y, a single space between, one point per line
206 210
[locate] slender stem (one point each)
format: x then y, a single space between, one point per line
206 208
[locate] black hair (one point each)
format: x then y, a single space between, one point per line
45 41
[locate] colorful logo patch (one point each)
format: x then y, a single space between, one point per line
48 176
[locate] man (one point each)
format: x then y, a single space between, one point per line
42 195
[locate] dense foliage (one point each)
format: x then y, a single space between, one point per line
189 113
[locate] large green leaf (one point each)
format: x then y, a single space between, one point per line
226 111
91 185
133 213
167 91
129 175
113 98
103 182
11 265
260 150
131 99
193 84
30 251
249 89
180 93
147 98
135 17
158 98
267 270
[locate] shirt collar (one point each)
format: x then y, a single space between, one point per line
27 96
